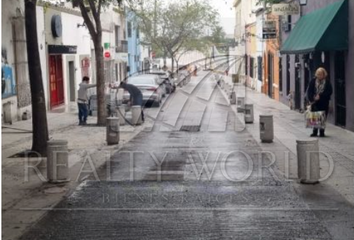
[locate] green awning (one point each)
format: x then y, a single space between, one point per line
325 29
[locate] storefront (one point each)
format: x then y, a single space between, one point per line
56 76
320 39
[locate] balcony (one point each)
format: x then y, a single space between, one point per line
123 47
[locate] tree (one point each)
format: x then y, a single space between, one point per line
200 45
174 26
39 120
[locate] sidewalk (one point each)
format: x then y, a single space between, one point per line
289 126
83 142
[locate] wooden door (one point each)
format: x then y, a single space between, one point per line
56 80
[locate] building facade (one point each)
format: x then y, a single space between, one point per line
272 85
287 67
329 45
133 38
115 44
66 54
15 95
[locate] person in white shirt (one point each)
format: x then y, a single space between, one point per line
82 100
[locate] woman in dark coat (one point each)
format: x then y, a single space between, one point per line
319 94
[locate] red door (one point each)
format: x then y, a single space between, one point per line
56 80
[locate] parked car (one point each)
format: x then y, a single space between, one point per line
149 86
166 80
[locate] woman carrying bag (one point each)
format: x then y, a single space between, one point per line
319 94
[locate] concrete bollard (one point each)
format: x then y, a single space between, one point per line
249 116
308 161
57 161
240 104
136 115
121 114
233 98
266 128
112 130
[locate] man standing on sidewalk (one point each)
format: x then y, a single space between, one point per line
82 100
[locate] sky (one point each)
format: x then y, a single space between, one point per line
227 14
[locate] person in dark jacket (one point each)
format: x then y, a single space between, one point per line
136 97
319 94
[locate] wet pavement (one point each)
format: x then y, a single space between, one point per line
210 184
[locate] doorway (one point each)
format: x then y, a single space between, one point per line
270 74
56 80
340 97
297 83
72 80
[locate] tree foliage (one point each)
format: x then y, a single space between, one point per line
174 26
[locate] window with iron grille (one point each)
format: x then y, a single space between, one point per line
129 29
251 67
246 65
260 63
116 29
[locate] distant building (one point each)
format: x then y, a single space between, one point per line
134 54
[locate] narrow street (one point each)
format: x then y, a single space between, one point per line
247 129
190 176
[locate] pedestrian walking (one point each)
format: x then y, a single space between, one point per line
291 100
82 100
319 94
136 97
195 70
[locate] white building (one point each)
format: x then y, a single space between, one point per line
115 43
66 54
248 34
16 98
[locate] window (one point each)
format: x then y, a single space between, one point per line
287 74
280 75
129 29
251 66
246 65
116 28
260 63
137 33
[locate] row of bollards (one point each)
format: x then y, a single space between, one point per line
57 150
307 150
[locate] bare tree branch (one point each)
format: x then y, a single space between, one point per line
87 19
95 14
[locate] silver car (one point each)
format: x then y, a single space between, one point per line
166 81
149 87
